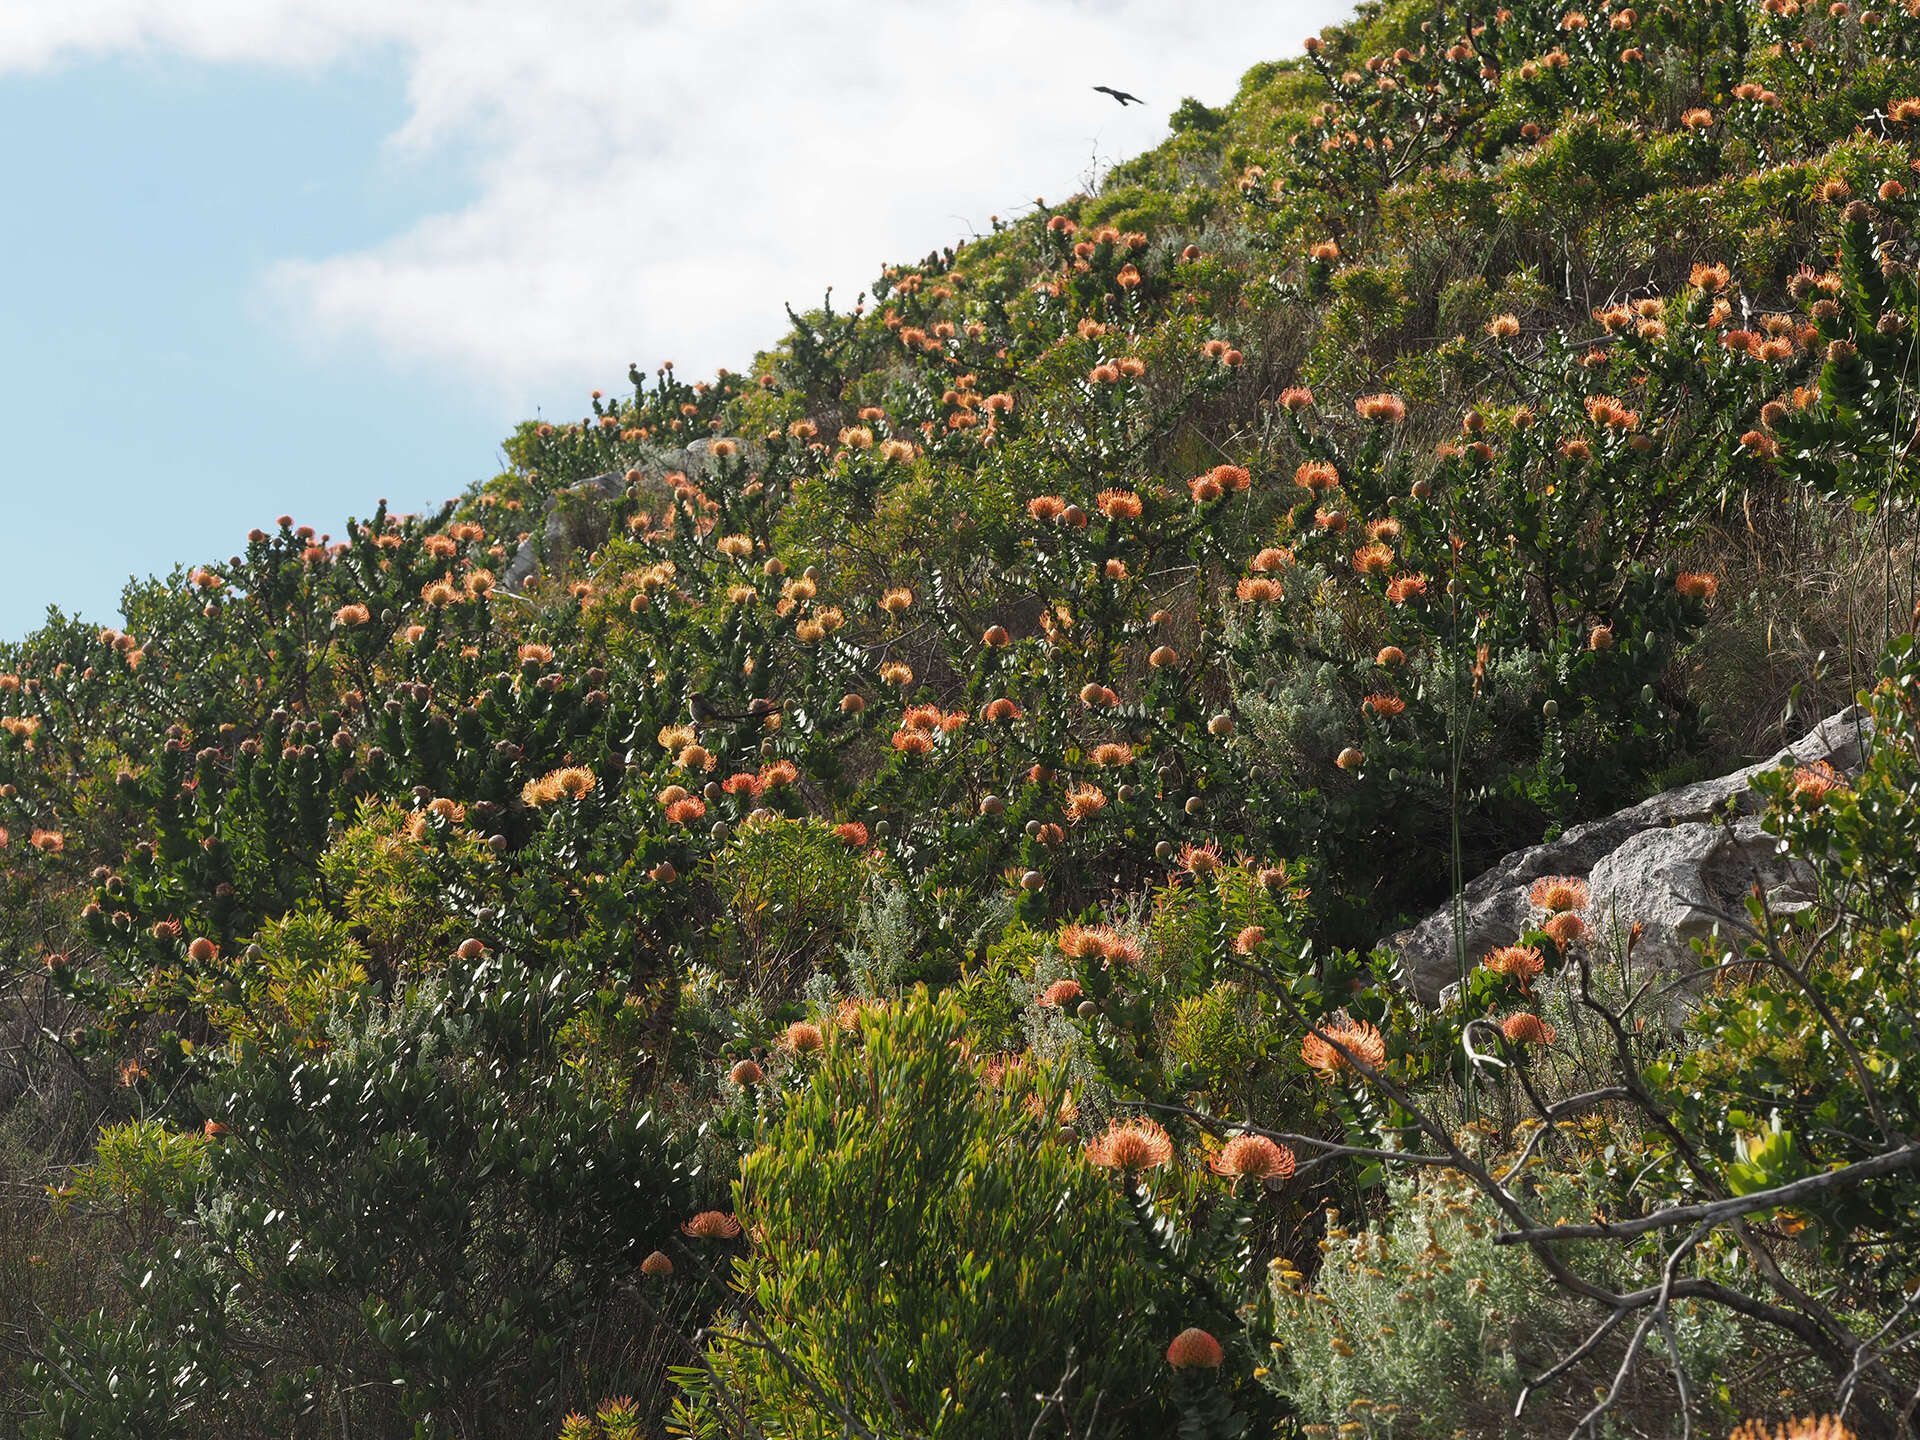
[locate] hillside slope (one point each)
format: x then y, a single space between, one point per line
770 940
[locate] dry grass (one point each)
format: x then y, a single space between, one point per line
1810 592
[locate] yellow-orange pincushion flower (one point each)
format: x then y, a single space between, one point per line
1131 1145
1254 1155
1327 1051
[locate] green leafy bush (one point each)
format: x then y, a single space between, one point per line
932 1255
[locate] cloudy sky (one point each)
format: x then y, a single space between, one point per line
289 256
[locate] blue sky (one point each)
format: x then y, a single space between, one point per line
158 402
290 256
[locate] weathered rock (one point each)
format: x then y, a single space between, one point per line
553 531
1663 863
526 559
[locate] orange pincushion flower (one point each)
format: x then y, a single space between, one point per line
1249 940
1000 711
1315 476
1195 1349
1527 1029
1387 409
802 1037
1811 783
1270 559
1323 1051
1405 588
1565 928
1232 477
1046 507
1810 1427
1504 327
1254 1155
913 742
1199 859
1130 1145
1259 590
1118 504
348 617
1600 638
1296 398
711 1225
682 812
1390 657
656 1264
573 782
1085 800
1060 994
1519 962
1092 694
1375 559
1384 705
1080 942
1113 948
746 1072
1558 892
1112 752
1697 586
852 834
1204 489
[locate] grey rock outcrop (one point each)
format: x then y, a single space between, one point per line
1662 863
551 535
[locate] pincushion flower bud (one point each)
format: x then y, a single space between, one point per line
1349 758
1195 1349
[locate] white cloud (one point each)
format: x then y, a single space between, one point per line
653 178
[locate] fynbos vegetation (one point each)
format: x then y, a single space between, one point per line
868 918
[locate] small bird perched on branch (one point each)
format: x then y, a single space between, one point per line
704 712
1122 96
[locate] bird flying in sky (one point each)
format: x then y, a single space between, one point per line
1122 96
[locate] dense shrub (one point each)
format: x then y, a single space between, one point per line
1114 625
932 1254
